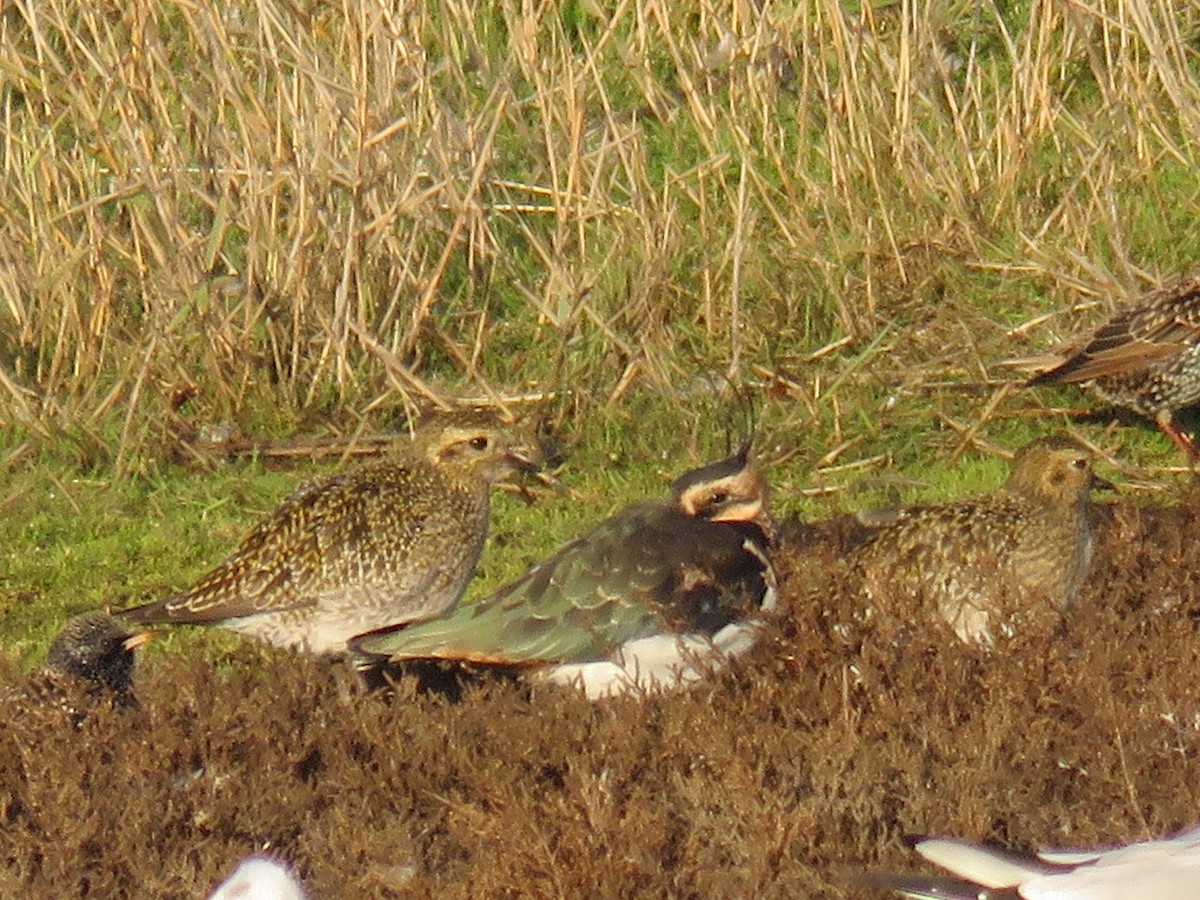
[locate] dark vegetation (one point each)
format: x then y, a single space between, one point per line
815 755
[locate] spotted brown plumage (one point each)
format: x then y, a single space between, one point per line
652 598
1010 561
393 541
1145 358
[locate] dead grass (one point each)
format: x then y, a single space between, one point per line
287 214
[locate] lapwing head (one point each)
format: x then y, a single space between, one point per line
732 490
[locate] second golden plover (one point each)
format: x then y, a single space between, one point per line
1010 559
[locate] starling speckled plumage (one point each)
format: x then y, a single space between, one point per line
1001 562
393 541
1164 870
652 598
93 654
94 647
1145 359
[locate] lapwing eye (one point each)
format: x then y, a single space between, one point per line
719 497
479 443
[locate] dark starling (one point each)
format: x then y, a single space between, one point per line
1145 359
394 541
93 652
652 598
1164 870
995 563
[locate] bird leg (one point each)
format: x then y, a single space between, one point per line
1178 436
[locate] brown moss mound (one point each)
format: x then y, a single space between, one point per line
817 753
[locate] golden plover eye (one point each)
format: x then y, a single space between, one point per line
479 443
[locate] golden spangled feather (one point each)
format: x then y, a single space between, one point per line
1015 558
390 542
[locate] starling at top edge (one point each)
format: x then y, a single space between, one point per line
1145 359
393 541
650 599
1012 559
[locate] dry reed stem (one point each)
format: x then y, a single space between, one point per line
246 190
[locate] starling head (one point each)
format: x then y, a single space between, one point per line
95 648
732 490
474 448
1054 471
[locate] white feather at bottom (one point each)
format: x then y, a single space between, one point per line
260 877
